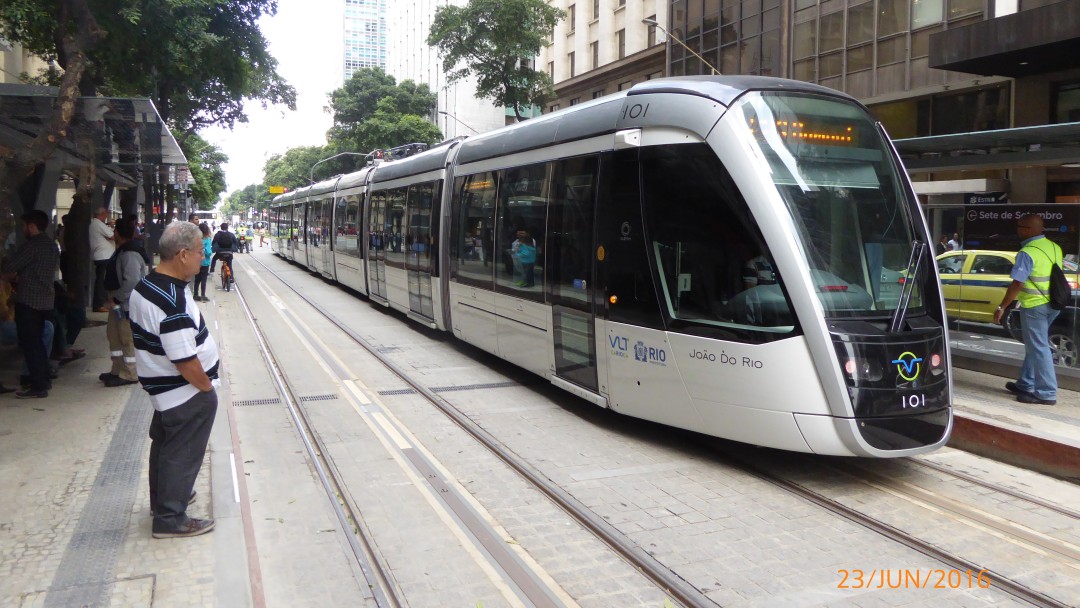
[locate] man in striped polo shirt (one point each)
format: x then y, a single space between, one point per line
177 360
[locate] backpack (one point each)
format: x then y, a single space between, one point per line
1059 291
226 243
112 274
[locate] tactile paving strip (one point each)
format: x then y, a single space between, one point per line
247 402
88 565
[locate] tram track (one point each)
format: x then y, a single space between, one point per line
956 562
381 586
674 586
661 575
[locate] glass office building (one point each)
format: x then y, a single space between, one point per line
365 35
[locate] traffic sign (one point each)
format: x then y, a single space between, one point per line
277 189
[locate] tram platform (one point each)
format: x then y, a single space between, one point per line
74 514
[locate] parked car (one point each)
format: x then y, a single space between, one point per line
974 282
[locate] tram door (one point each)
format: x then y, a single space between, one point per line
418 254
570 266
378 233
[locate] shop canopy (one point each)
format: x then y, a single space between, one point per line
1044 145
126 135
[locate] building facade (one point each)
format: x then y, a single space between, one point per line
365 35
602 47
916 64
15 61
458 111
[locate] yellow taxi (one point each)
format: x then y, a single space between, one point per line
974 281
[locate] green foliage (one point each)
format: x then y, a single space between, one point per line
252 195
292 169
495 41
204 161
197 59
372 111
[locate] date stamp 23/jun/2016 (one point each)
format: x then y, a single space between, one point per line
913 578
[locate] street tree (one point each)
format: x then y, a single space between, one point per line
372 111
496 41
292 168
198 60
205 162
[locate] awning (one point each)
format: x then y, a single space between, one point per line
1042 145
126 135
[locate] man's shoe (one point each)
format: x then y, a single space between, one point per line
1014 388
1029 398
192 527
102 309
31 394
118 381
105 376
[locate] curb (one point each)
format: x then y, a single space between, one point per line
1020 447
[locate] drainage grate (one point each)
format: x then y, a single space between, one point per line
398 391
257 402
318 398
473 387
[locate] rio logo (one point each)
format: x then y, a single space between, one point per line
649 354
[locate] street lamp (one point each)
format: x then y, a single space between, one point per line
676 39
459 121
311 174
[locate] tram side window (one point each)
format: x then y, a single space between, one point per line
352 225
395 217
521 231
474 229
714 268
570 217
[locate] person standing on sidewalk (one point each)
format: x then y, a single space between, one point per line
177 360
33 268
126 269
1031 286
101 249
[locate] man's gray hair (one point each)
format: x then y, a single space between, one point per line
100 211
177 236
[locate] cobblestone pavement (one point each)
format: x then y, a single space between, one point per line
741 540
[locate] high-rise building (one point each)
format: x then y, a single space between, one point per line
457 111
365 35
603 46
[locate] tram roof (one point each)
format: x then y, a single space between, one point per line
599 116
354 179
327 185
428 160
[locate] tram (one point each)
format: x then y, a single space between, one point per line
738 256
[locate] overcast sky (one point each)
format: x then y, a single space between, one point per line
306 38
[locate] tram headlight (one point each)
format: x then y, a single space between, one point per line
937 365
863 370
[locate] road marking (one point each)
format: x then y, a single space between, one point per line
235 480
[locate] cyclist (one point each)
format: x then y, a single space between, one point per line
223 245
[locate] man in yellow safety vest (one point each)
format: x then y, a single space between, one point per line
1031 286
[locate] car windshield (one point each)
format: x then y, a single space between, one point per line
851 212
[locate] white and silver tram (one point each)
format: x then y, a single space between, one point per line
739 256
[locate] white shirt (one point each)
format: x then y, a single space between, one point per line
101 248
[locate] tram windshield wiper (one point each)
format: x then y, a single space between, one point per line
918 251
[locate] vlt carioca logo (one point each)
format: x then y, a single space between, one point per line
908 366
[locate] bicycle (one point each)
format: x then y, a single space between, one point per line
226 275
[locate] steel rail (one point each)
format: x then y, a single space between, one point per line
379 580
662 576
1013 588
996 487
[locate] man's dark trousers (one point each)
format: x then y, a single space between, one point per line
99 284
30 328
178 439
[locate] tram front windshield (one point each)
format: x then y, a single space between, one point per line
836 173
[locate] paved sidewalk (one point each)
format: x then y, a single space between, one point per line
74 511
